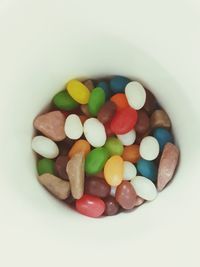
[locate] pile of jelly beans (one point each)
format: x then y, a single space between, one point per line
104 146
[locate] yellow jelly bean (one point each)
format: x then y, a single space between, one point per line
78 91
113 170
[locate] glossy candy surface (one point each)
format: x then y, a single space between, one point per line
45 147
111 206
114 146
147 169
97 187
78 91
79 146
45 166
73 127
136 95
120 101
131 153
113 170
126 195
163 137
106 112
118 84
96 101
64 101
94 132
149 148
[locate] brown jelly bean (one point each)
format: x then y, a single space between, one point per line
97 187
143 123
159 118
151 102
126 195
65 145
89 84
106 112
111 206
60 166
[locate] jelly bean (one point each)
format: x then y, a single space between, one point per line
143 122
79 146
83 118
120 101
64 146
150 103
90 206
136 95
111 206
70 200
45 166
108 130
124 121
129 170
94 132
73 127
114 146
131 153
106 112
149 148
85 110
45 147
113 190
64 101
167 166
163 136
159 118
60 166
96 101
75 171
126 195
127 139
113 170
58 187
139 137
147 169
100 174
97 187
139 201
89 84
78 91
104 85
118 84
51 124
144 188
95 160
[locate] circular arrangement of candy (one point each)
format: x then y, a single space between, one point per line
105 146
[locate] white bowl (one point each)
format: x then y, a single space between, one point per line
44 44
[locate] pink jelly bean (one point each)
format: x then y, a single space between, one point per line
124 120
90 206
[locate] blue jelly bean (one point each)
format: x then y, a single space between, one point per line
163 136
147 169
105 86
118 84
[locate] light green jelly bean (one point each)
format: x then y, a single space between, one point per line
96 101
45 166
64 101
114 146
95 160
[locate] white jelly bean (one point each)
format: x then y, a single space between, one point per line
144 188
136 95
149 148
94 132
73 127
113 191
127 139
130 170
45 147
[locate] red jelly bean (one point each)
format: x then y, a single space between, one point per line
108 130
124 120
90 206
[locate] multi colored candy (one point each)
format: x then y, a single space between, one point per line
105 146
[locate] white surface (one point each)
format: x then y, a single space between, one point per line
45 43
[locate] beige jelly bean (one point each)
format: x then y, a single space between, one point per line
45 147
159 118
167 166
58 187
73 127
75 171
51 124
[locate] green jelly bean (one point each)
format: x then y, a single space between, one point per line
114 146
64 101
95 160
45 166
96 101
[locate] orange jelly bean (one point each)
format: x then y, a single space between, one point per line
120 100
113 170
79 146
131 153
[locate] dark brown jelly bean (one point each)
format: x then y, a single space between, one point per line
143 122
111 206
64 146
151 102
60 166
97 187
126 195
106 112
